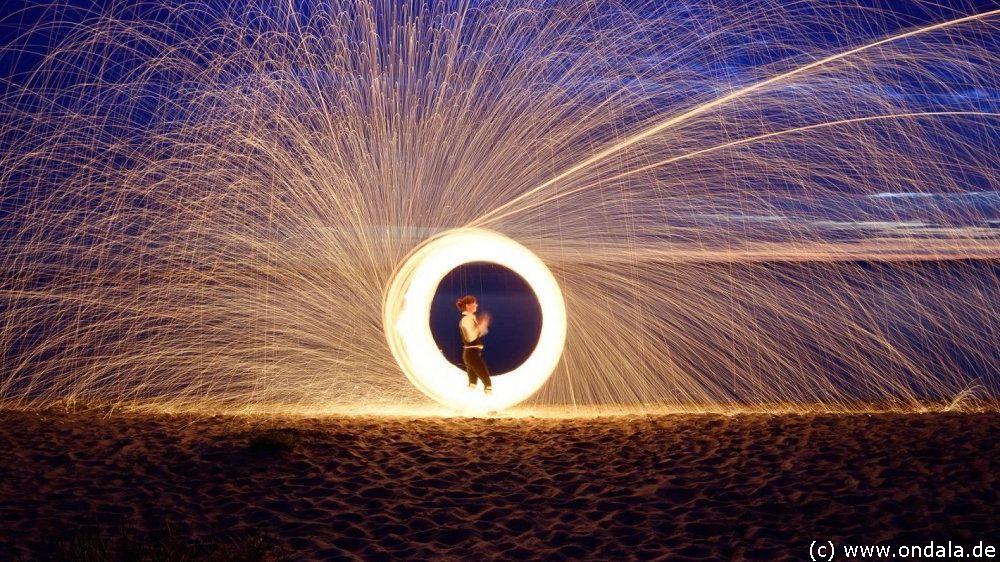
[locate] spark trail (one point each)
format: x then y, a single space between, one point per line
753 204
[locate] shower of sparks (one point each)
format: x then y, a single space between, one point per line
206 208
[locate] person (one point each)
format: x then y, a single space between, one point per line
472 329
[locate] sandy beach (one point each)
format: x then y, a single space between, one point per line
678 487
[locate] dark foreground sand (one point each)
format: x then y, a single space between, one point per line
678 487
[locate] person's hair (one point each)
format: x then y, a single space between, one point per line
464 302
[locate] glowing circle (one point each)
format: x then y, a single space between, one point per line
406 319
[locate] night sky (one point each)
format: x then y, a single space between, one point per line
500 292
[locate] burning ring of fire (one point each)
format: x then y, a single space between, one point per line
406 319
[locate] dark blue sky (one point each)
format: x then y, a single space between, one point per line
28 23
517 316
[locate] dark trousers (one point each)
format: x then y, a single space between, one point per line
475 366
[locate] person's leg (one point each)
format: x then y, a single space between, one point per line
482 370
470 370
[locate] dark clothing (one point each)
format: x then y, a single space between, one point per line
475 366
472 351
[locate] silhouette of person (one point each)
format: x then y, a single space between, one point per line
473 329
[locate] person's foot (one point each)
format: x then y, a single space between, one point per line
488 390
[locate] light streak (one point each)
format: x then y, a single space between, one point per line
406 319
209 209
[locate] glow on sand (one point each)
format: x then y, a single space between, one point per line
406 316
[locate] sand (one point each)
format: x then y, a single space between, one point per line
677 487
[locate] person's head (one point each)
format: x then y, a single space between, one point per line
467 303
